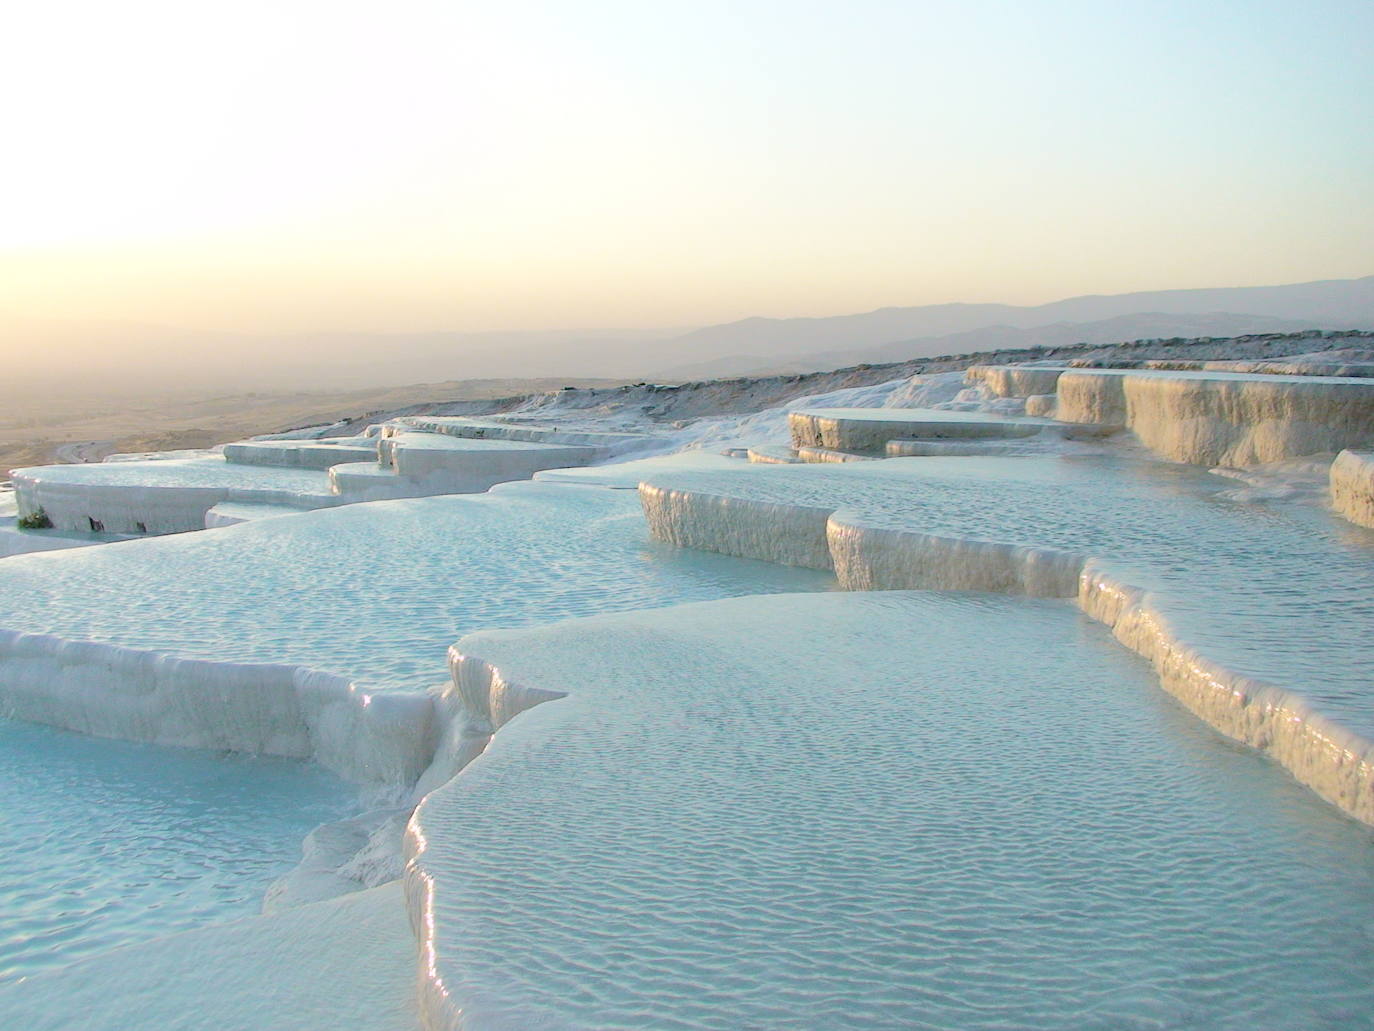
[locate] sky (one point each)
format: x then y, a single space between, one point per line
290 167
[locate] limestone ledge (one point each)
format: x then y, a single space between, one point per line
1334 762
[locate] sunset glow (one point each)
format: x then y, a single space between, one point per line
268 167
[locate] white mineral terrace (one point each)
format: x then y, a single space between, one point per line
772 454
1298 365
870 810
609 443
869 429
1352 486
158 497
1200 416
1217 418
305 454
1016 380
231 513
435 463
628 475
1217 592
986 446
825 454
395 460
658 783
317 635
15 540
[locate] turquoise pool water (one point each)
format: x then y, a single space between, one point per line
889 810
1278 589
105 843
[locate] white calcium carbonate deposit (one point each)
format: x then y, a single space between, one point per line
1180 556
1217 418
157 497
634 810
856 810
1352 486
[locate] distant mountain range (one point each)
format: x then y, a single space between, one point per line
892 334
1141 325
109 359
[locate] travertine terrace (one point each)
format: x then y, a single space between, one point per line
727 664
1352 486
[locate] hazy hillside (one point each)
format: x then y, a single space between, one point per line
1139 326
109 360
946 328
64 427
104 361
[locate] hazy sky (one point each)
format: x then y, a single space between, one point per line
397 165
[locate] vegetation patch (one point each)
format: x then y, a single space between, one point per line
35 520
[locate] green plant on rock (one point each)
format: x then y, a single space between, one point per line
35 520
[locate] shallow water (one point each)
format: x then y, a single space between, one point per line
892 810
1277 589
184 472
375 592
105 843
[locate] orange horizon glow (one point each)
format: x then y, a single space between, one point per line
307 167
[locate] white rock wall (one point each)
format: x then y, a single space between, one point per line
790 535
135 509
1091 397
938 448
836 433
444 471
1333 761
110 691
611 444
764 455
286 454
1015 380
1233 421
826 455
479 702
117 508
872 559
1352 486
